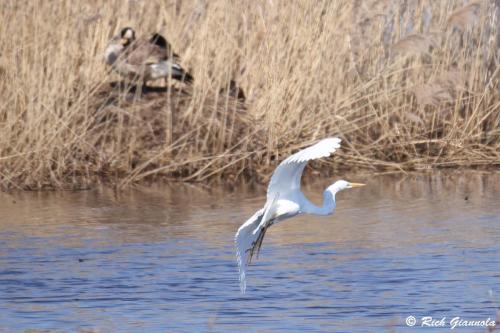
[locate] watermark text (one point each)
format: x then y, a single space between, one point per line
452 323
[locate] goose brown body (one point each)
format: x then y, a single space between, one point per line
144 59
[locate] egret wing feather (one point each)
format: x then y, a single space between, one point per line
286 177
244 240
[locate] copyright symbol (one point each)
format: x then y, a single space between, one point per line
411 321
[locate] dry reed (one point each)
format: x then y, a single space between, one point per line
407 85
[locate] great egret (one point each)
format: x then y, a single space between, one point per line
285 200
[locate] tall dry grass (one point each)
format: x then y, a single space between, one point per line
406 84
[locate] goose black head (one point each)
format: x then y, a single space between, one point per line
159 40
127 36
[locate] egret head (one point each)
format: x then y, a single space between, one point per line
127 36
342 185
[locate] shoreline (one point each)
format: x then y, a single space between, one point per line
310 175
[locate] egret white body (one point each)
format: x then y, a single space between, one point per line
285 200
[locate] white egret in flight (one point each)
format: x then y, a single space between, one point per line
285 200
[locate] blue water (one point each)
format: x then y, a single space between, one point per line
161 259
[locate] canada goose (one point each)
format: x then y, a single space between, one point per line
144 59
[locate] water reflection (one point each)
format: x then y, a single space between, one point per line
161 258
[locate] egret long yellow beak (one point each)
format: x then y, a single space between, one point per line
357 184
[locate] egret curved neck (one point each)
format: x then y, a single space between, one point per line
327 208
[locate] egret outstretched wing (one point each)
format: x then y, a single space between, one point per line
245 240
286 177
